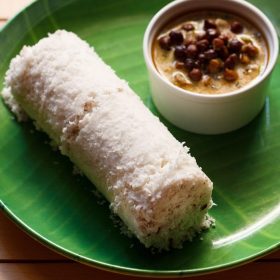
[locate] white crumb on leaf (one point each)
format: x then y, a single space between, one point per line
13 105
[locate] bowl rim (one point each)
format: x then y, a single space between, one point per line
272 58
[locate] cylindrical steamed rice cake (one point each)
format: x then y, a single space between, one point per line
149 178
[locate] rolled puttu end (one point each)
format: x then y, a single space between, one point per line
150 179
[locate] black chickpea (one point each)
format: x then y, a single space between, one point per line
176 38
212 34
236 27
192 51
189 64
202 45
210 54
164 42
223 53
230 75
250 50
180 52
218 44
235 45
195 74
231 61
202 58
214 66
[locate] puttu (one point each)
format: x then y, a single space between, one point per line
97 120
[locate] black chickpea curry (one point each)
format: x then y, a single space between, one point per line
211 53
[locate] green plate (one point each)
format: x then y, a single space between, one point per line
39 192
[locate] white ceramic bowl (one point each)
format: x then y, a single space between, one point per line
205 113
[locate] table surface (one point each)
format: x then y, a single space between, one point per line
23 258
